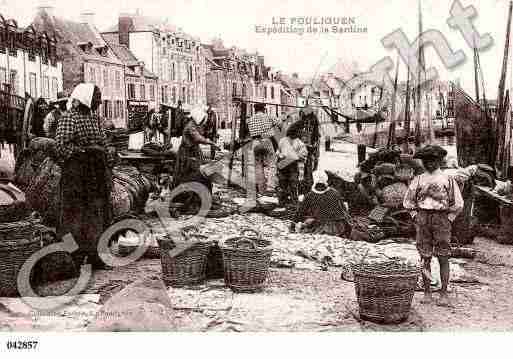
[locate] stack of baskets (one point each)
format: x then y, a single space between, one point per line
18 241
385 290
246 261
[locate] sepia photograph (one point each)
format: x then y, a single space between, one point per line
269 167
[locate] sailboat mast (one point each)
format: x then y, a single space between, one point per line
476 75
407 110
391 132
501 125
420 69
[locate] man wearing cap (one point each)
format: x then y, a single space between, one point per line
434 200
261 157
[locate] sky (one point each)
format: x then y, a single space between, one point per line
309 54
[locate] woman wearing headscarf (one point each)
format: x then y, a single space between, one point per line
322 210
86 179
37 124
190 157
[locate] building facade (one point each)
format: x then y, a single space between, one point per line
234 75
141 87
86 57
174 56
28 62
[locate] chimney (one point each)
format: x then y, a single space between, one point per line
125 24
45 6
87 17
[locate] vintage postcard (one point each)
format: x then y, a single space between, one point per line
255 166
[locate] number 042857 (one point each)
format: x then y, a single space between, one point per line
22 344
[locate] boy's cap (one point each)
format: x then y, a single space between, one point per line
431 151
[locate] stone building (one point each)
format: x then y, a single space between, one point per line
234 74
28 61
174 56
86 57
141 86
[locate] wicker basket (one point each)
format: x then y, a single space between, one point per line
393 195
246 262
187 267
385 290
18 241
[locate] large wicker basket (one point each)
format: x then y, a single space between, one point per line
18 241
246 262
189 266
385 290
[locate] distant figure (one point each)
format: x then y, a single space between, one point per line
292 153
52 118
211 129
327 143
37 125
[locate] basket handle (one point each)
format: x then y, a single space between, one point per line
245 240
190 236
245 230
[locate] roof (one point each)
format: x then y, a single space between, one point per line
126 56
71 33
143 23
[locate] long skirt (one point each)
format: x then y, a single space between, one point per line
187 169
85 210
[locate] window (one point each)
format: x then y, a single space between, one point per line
189 96
243 90
173 72
121 109
131 91
105 108
3 75
182 95
55 87
46 87
115 109
33 85
162 94
142 94
265 92
173 94
166 89
91 75
152 93
118 81
12 45
272 92
13 81
113 81
234 89
105 79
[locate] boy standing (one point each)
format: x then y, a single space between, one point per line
434 200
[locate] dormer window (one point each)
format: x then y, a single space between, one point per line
102 50
86 47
